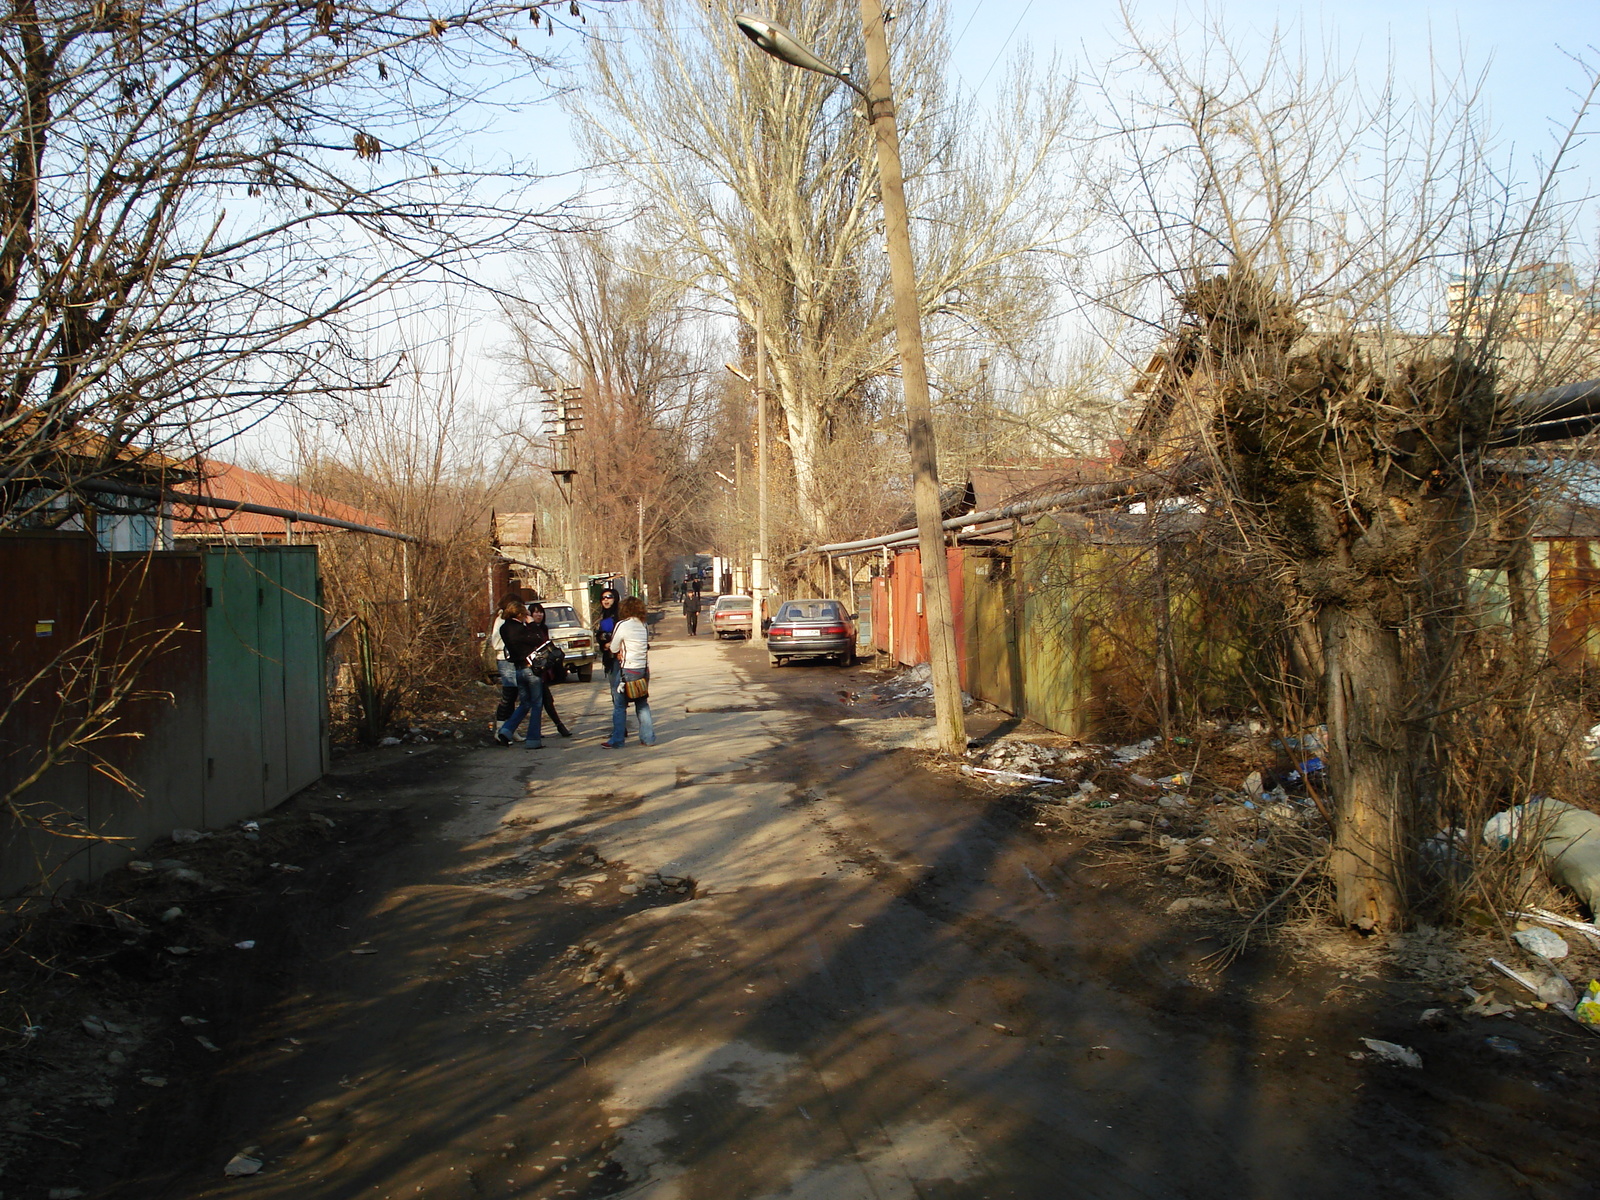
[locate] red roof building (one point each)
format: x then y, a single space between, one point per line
224 481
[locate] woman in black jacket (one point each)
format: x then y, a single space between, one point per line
546 666
521 641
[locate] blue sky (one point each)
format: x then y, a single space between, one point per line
1522 50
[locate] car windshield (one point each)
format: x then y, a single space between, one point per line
559 614
735 604
809 610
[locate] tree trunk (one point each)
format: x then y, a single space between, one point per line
1369 766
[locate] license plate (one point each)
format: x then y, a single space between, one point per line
808 633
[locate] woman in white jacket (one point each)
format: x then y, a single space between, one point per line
630 642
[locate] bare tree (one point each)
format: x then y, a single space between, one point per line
610 319
762 180
428 463
200 198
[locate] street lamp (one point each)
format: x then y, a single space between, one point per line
879 95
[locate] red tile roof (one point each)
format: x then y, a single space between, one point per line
225 481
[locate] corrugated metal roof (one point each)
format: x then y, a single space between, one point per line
225 481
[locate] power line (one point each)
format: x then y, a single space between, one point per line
1003 46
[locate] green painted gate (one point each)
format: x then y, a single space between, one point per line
266 718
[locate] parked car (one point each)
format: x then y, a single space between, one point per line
812 629
575 639
731 616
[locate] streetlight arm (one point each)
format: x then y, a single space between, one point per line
777 41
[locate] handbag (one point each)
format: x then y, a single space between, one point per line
637 689
547 657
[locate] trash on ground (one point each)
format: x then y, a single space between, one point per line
1393 1053
185 836
1011 775
1587 1010
1568 838
1587 930
245 945
1503 1045
241 1164
206 1043
1555 990
1541 942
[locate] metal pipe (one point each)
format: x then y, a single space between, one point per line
1088 494
115 488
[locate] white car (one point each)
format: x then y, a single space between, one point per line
574 637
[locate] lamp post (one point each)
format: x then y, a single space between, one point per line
879 96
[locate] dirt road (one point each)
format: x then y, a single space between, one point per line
763 959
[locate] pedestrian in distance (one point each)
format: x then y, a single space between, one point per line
547 661
503 666
630 642
691 611
521 639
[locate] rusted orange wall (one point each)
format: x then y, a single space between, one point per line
909 641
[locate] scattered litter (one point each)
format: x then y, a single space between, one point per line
241 1164
1567 836
171 915
1541 942
154 1081
1587 1010
185 836
1556 990
1393 1053
1589 931
1252 785
1181 779
180 951
286 868
206 1043
390 741
193 1021
1502 1045
1133 753
248 944
1143 781
1011 775
363 951
65 1193
250 826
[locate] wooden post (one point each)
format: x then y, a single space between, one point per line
914 379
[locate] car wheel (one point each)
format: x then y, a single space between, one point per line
847 659
585 674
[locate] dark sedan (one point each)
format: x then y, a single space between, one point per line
812 629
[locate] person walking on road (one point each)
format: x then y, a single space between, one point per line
521 639
546 660
630 642
504 667
691 610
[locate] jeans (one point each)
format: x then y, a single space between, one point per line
508 689
619 710
530 704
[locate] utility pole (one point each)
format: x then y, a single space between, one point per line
563 417
639 501
772 38
914 381
758 569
